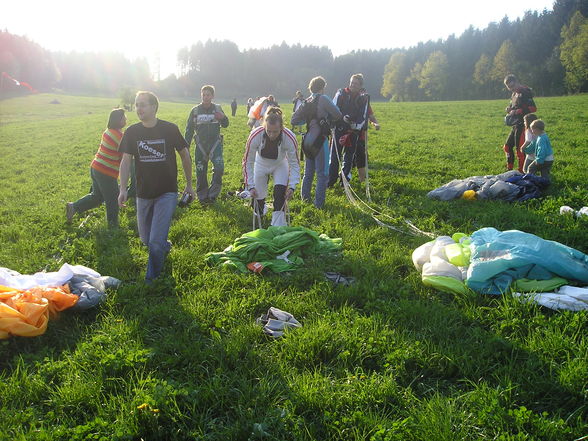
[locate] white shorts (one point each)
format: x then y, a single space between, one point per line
264 168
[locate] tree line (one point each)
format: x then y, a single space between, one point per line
548 50
75 72
279 70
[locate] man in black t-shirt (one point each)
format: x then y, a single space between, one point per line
153 143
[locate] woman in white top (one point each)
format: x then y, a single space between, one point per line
529 138
271 150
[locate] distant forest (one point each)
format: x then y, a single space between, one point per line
548 50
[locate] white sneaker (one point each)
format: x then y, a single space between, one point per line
275 321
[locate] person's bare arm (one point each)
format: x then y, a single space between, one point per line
374 121
124 171
187 166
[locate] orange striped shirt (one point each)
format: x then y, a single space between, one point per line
107 159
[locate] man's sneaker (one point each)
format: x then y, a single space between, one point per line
69 212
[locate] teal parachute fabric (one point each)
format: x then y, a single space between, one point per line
277 249
498 258
495 262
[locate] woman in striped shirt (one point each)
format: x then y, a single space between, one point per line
104 173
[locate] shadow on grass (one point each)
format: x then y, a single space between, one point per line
211 372
458 343
113 254
206 376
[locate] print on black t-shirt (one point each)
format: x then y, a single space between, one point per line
151 150
206 118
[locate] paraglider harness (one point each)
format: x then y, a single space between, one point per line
351 135
310 113
522 103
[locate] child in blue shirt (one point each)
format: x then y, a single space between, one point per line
542 149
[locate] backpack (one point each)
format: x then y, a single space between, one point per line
309 108
525 102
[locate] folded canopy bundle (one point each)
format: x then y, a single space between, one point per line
494 262
511 186
26 312
276 249
28 301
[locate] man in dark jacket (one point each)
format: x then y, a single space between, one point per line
355 108
206 119
521 103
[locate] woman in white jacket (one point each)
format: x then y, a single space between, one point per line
271 149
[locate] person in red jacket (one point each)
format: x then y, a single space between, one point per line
349 139
521 103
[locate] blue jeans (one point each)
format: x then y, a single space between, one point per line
202 155
154 218
320 166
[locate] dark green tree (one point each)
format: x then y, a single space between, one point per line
574 53
395 74
505 61
434 76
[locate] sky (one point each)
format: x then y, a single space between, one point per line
157 30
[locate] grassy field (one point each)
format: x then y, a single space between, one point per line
384 359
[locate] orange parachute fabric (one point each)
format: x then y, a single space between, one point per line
255 111
26 313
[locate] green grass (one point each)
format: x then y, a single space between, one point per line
384 359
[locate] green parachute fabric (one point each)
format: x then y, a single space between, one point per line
528 285
445 284
458 254
277 249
